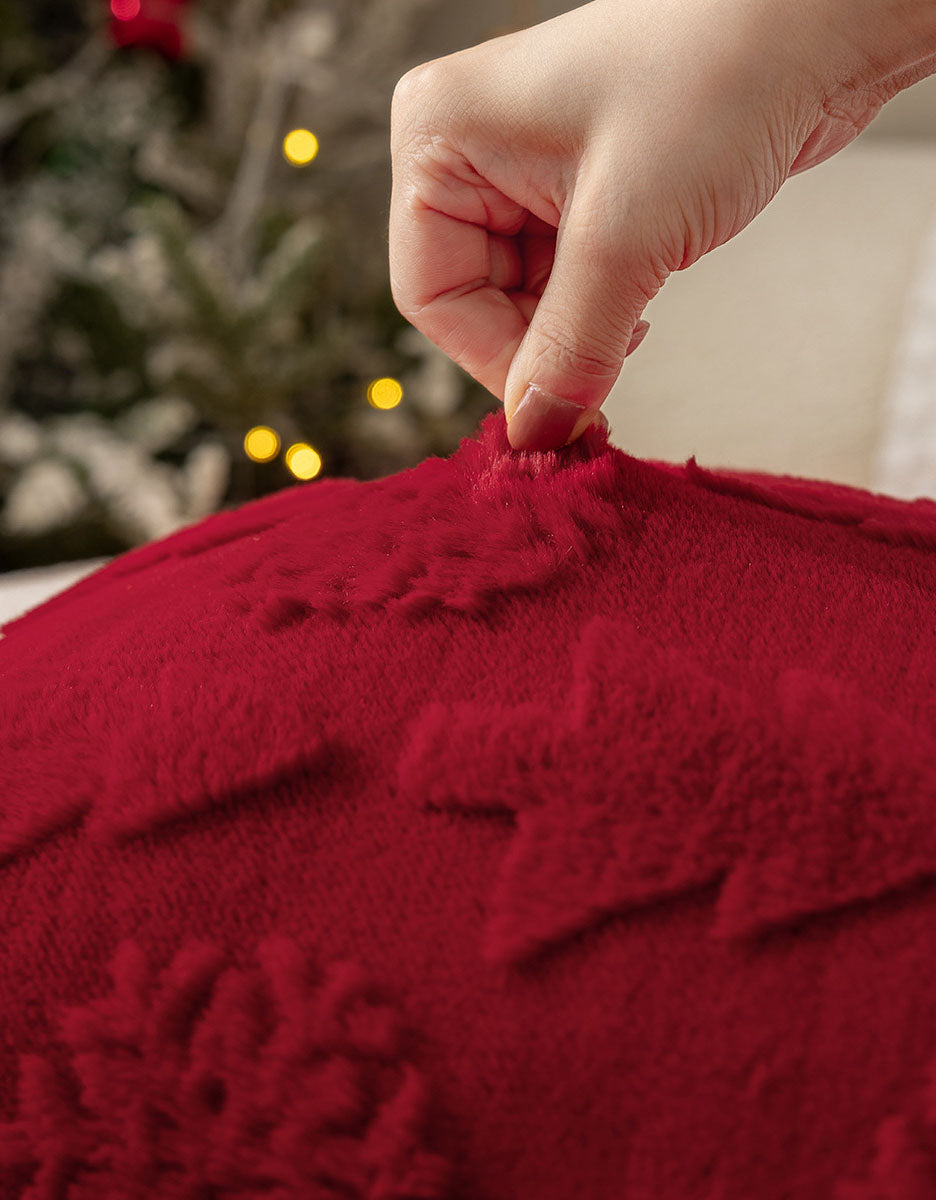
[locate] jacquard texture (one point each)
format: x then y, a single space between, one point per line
616 779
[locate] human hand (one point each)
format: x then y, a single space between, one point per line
546 183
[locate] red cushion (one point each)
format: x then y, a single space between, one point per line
518 826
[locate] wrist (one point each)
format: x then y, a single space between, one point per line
878 46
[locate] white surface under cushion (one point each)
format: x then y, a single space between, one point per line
21 591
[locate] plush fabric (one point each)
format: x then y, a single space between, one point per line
517 827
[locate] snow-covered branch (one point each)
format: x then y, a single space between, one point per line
50 91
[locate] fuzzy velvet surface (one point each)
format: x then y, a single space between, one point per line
521 826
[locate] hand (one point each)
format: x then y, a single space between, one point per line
546 183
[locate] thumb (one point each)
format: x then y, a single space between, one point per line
583 328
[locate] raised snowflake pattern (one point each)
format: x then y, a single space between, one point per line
216 1080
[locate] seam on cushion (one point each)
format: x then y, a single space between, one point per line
902 523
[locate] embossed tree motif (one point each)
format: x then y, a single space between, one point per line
658 779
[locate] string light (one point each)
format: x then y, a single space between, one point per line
300 147
262 444
385 393
125 10
303 461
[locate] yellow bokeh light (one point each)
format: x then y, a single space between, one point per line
385 393
303 461
300 147
262 444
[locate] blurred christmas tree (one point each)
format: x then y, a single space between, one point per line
194 294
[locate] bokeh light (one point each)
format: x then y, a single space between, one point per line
385 393
125 10
300 147
262 444
303 461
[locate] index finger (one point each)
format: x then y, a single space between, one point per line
455 271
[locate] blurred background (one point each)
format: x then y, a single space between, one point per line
195 306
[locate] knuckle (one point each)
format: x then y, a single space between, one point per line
599 357
409 86
429 98
402 287
409 102
398 292
421 87
404 300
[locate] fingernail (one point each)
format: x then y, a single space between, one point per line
542 421
640 332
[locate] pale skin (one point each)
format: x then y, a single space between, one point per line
546 183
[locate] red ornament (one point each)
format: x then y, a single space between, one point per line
154 23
